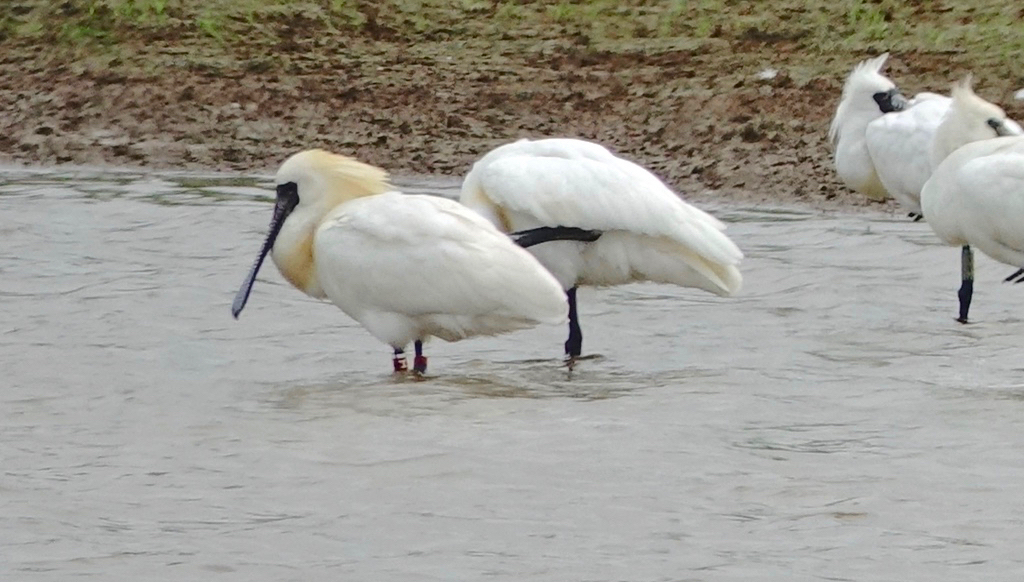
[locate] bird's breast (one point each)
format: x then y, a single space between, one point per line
294 259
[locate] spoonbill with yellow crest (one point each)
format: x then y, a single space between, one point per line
406 267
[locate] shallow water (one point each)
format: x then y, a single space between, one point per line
831 423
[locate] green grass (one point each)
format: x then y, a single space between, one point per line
822 30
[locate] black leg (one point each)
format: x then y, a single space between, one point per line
419 363
536 236
399 361
574 345
967 282
1015 277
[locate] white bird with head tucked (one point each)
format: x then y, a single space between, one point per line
868 95
975 196
883 140
900 145
644 231
406 267
906 146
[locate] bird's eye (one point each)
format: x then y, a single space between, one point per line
995 123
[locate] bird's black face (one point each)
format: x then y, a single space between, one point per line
891 100
287 200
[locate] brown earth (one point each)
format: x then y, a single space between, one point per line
699 116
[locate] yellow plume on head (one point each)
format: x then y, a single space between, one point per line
341 175
962 88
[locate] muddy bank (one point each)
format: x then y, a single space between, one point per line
743 122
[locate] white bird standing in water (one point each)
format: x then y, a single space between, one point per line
406 267
906 146
900 145
646 231
867 96
975 196
892 145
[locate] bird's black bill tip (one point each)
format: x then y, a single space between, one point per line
238 305
287 199
891 100
243 292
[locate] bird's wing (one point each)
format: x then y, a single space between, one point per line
900 147
926 96
598 192
427 255
990 185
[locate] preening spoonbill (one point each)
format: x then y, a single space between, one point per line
867 96
406 267
975 196
647 232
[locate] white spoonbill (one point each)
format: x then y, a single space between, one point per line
406 267
975 196
906 146
900 145
883 140
867 96
647 232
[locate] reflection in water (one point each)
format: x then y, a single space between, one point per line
831 422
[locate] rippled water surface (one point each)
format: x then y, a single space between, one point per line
833 422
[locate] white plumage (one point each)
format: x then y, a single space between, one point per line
894 152
410 266
975 196
867 96
649 232
906 146
406 267
900 146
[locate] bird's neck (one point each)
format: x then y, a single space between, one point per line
852 119
955 131
293 253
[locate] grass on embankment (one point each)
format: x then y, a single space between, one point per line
817 32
